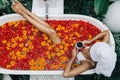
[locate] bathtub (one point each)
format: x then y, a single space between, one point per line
14 17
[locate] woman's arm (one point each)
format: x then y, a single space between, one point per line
105 36
69 72
84 66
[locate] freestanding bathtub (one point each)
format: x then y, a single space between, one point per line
14 17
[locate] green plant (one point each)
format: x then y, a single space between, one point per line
101 6
3 4
1 77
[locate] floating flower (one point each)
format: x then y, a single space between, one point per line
43 43
4 41
25 47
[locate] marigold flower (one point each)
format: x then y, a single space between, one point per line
49 47
74 41
78 35
20 57
63 66
52 54
54 66
24 32
59 26
32 67
24 37
58 54
62 51
89 37
11 53
10 23
29 42
14 57
61 46
57 49
66 31
17 37
66 37
63 28
65 48
70 38
36 67
48 41
81 28
24 56
12 63
76 25
36 30
21 45
43 43
59 34
63 59
30 46
25 50
31 37
4 41
45 37
20 39
8 48
14 45
49 56
16 24
13 40
66 45
34 33
33 29
63 42
57 29
8 66
8 44
41 68
32 62
18 53
47 53
23 27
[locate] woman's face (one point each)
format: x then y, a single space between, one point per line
85 50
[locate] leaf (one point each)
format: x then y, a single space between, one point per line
101 6
1 77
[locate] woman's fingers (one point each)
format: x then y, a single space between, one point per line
74 52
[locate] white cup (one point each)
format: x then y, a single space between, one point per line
79 45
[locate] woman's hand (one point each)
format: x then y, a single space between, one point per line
87 41
74 52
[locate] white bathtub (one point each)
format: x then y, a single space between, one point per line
14 17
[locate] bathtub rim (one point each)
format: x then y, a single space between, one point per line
52 17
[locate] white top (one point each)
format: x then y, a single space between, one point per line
104 55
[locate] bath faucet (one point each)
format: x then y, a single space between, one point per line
46 9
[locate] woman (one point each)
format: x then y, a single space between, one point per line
36 21
94 58
100 56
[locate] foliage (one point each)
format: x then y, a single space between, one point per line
3 4
101 6
1 77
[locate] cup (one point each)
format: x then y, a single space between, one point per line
79 45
